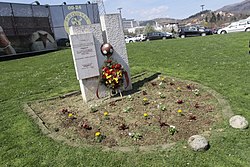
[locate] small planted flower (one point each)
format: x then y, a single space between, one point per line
130 98
171 83
106 115
145 101
97 134
197 105
145 115
161 78
93 108
128 109
70 115
135 136
99 137
178 89
196 92
85 125
161 85
179 112
189 86
123 127
192 117
162 95
161 107
179 101
64 111
172 130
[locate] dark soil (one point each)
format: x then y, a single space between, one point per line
144 118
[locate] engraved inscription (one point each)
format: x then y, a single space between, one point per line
84 54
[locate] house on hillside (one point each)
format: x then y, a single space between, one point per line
136 30
166 26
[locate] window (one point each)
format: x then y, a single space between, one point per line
242 24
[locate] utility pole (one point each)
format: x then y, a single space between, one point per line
202 7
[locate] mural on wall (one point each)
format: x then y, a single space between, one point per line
5 44
32 28
64 16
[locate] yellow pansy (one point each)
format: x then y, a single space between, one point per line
105 113
97 134
115 79
119 73
109 76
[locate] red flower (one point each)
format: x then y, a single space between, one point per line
179 101
114 73
108 72
118 66
105 69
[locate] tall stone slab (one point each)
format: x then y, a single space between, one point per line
86 41
113 32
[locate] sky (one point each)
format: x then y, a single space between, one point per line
147 9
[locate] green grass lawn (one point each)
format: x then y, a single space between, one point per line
221 62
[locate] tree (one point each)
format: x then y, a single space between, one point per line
213 18
206 19
148 28
218 17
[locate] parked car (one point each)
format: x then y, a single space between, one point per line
158 35
215 30
208 31
243 25
129 39
63 42
191 31
141 37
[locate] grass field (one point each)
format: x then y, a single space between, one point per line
221 62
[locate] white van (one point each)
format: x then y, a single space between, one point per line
242 25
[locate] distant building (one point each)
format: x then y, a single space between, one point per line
129 23
166 27
136 30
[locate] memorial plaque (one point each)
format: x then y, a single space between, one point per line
84 55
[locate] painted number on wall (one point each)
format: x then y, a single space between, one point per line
75 7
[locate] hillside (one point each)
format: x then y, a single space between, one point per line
209 18
242 7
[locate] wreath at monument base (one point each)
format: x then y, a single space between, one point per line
112 72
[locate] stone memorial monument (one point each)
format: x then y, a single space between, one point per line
86 42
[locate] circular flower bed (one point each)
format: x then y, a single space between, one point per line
163 111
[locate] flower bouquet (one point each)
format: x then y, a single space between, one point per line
112 74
